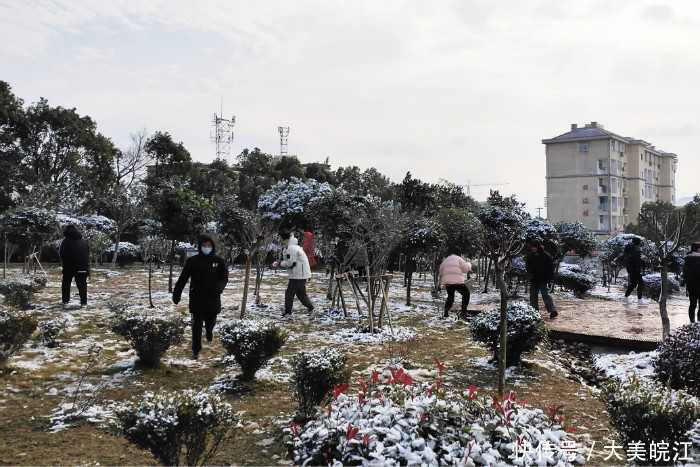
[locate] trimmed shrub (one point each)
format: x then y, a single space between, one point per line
128 253
401 423
150 331
576 282
677 361
15 330
526 329
184 426
252 344
648 412
652 286
50 330
19 290
315 374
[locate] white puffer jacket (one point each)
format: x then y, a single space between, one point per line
295 260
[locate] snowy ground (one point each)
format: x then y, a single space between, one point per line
60 378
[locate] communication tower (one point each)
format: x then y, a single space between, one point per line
284 135
222 135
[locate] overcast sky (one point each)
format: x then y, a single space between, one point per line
463 90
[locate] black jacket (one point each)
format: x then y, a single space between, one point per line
691 271
539 266
633 257
209 275
74 252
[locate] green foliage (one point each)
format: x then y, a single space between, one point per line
252 344
415 195
575 281
182 212
50 330
19 290
422 236
256 176
182 426
150 331
676 363
526 330
461 229
173 163
29 227
15 330
315 374
574 236
648 412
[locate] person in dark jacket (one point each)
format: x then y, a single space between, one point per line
691 275
540 270
635 266
75 260
209 275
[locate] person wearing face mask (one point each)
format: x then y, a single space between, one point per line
209 275
296 262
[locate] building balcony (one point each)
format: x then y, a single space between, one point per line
603 207
602 189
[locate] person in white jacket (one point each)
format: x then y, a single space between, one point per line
452 272
297 263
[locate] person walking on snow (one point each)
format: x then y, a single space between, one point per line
691 275
540 270
296 262
635 265
75 260
452 271
209 275
308 247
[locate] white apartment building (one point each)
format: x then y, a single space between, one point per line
602 179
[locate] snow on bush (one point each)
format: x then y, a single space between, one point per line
652 286
677 360
576 282
315 373
399 423
50 330
252 343
526 329
126 249
647 412
15 329
150 331
19 290
291 197
187 426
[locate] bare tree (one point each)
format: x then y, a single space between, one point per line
666 227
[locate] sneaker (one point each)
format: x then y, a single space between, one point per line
286 315
626 300
195 356
314 314
553 314
642 302
210 335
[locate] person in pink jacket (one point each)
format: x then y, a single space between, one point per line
452 272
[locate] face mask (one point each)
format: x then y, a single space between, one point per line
206 251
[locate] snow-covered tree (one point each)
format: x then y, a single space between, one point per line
288 201
504 224
421 236
29 228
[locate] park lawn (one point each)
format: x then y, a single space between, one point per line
40 379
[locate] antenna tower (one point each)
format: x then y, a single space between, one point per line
222 135
284 135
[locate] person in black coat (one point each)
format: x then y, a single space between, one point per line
635 266
691 275
75 261
540 270
209 275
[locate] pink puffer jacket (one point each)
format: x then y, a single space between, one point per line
452 270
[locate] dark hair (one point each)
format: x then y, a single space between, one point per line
285 234
536 242
695 246
636 240
454 250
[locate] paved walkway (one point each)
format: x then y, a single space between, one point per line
612 323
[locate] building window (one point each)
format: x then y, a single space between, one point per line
583 146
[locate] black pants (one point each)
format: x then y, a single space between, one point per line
693 296
635 280
208 320
463 291
80 282
296 287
